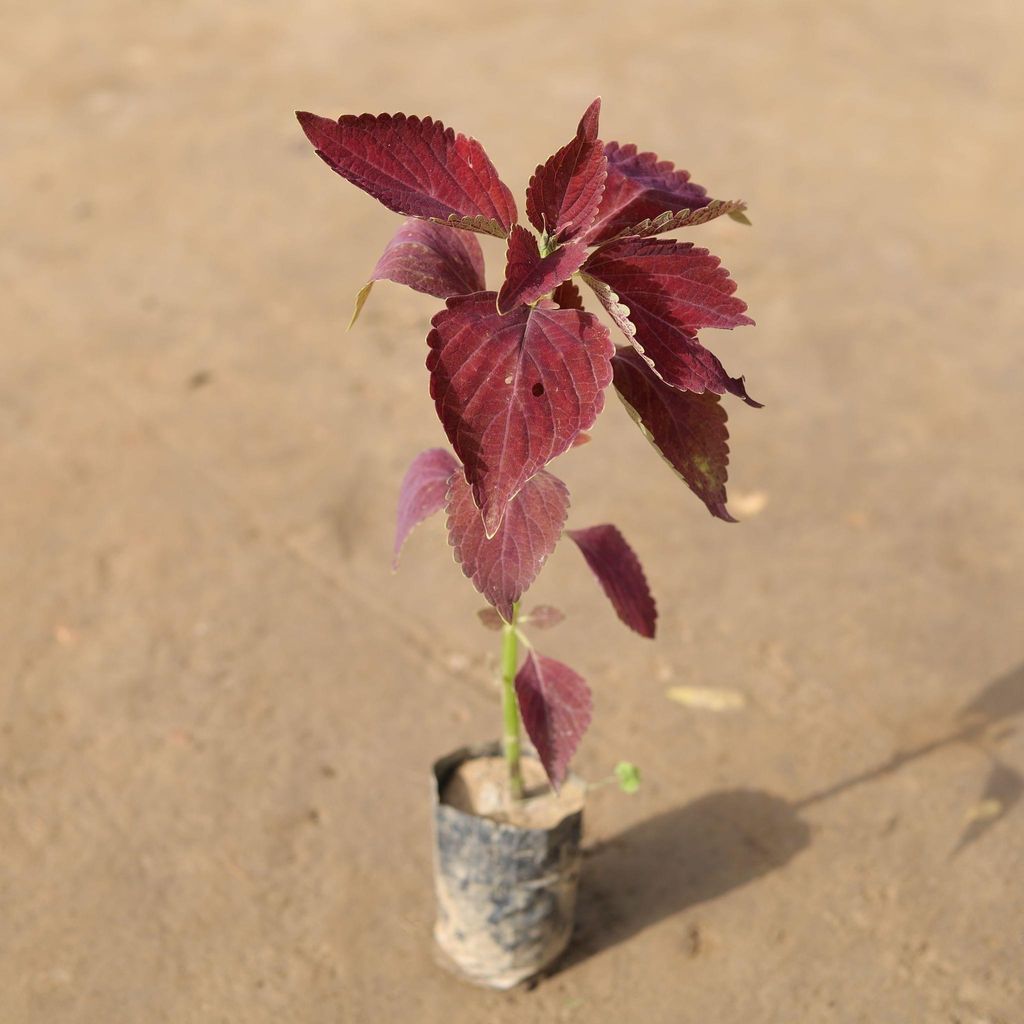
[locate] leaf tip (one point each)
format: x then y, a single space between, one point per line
719 511
361 297
588 123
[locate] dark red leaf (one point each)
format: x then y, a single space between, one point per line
646 315
429 258
423 492
689 430
528 275
664 279
556 707
417 167
513 392
620 574
639 186
564 193
567 296
544 616
490 618
504 566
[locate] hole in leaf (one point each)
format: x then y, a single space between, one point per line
538 389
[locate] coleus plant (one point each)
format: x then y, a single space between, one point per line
519 375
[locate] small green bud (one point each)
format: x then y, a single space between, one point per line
628 775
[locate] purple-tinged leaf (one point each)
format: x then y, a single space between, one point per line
416 167
667 280
430 258
640 187
620 574
423 492
544 616
513 392
556 706
564 193
528 275
674 354
689 430
670 221
490 618
567 296
503 566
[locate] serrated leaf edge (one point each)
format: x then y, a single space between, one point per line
481 224
672 221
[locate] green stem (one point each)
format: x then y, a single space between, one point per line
509 705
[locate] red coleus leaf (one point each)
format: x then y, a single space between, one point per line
429 258
502 567
556 707
620 574
564 193
639 186
544 616
688 429
423 492
662 279
646 314
417 167
567 296
528 275
513 392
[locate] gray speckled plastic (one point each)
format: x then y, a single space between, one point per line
505 894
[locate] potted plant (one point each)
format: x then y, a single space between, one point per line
517 377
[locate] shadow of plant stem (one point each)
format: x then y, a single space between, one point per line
980 723
694 853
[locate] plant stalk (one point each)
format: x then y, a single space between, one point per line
510 706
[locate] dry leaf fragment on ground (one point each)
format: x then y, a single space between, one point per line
707 698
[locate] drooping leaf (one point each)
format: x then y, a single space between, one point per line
640 187
564 193
556 707
528 275
490 618
513 392
416 167
620 574
430 258
545 616
567 296
687 429
669 221
666 280
503 566
674 354
423 492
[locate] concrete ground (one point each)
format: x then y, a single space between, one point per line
219 707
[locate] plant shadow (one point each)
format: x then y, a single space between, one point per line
678 859
724 840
